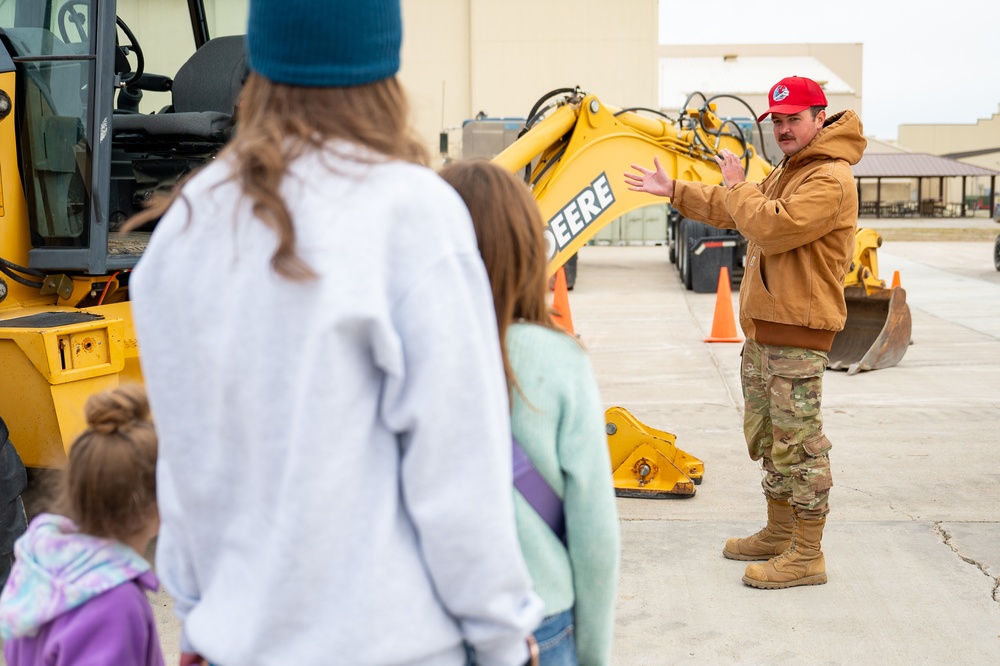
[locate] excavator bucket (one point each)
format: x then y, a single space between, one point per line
877 332
646 462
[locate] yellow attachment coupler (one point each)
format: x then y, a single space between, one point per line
646 462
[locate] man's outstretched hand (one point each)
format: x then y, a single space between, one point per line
731 166
655 182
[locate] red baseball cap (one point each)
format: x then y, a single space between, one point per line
794 94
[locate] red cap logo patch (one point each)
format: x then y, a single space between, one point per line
780 93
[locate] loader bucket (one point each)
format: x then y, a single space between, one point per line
877 331
646 462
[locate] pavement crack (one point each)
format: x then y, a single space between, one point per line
946 537
736 402
857 490
874 497
893 508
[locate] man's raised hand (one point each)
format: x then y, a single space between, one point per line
655 182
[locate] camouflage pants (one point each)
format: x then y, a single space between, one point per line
783 425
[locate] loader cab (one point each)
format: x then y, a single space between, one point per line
58 69
89 156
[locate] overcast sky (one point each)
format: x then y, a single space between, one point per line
923 62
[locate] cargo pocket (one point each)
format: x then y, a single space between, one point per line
800 364
812 476
796 390
817 446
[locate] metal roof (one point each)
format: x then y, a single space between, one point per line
914 165
743 75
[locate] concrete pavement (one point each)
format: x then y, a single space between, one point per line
912 543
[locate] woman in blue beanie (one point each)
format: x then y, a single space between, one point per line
334 477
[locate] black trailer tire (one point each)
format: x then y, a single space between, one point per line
996 254
570 267
13 521
673 218
672 239
684 252
679 252
703 269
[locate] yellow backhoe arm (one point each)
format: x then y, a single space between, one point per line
581 150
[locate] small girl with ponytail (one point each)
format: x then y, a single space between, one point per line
76 593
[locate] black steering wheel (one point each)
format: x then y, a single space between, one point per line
131 47
70 15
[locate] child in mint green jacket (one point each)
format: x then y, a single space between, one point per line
557 417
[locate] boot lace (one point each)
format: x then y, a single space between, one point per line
793 548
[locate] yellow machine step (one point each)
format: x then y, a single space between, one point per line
646 462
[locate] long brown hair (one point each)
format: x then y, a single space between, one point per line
509 234
109 485
277 123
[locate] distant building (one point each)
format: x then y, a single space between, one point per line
748 71
973 143
976 144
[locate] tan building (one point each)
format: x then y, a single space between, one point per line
977 143
463 57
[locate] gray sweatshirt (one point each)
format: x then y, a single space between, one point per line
334 478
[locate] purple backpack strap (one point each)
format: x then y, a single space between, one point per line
534 488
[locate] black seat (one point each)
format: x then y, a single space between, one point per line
204 95
151 152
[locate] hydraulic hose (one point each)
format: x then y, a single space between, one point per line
8 268
753 115
534 113
17 278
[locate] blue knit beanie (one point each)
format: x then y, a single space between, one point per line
324 42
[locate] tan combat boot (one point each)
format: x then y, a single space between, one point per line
770 541
801 564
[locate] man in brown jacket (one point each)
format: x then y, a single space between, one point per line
800 224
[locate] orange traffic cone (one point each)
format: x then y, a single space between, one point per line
560 302
724 325
895 280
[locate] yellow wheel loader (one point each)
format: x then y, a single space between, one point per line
573 152
877 332
76 160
